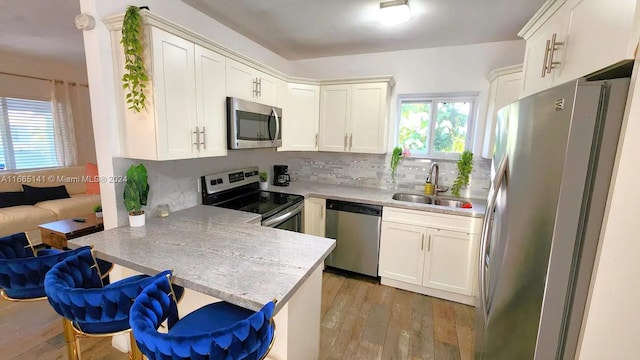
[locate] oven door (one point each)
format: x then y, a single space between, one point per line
289 219
253 125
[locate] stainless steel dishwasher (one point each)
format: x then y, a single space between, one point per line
356 229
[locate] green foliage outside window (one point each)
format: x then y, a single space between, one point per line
450 130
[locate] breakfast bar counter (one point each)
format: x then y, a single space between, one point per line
216 252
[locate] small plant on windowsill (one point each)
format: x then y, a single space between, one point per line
465 165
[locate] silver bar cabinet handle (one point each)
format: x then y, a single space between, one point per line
197 143
554 46
204 139
316 139
422 243
547 49
345 141
350 141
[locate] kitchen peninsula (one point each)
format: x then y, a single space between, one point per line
218 253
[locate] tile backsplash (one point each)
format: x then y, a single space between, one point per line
176 182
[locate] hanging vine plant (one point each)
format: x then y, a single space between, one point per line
134 80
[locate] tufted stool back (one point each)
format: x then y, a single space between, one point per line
248 339
75 291
21 274
15 246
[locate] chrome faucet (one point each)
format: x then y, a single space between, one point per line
434 180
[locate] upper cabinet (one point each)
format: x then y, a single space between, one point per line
569 39
505 87
190 77
247 83
185 114
301 115
354 117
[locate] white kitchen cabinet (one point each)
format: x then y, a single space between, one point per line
315 216
402 252
590 35
369 112
184 112
335 112
301 115
450 261
247 83
429 253
541 56
354 118
210 107
505 87
599 34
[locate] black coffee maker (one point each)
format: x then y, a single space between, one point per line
281 175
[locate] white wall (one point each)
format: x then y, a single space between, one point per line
610 329
42 67
435 70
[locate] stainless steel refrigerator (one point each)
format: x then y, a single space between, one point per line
552 167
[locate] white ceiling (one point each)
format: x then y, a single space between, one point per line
301 29
43 28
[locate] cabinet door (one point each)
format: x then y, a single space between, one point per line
210 96
240 81
174 95
402 252
534 57
301 115
597 36
335 111
314 216
451 261
267 90
367 128
504 90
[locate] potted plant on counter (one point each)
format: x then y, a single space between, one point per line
264 180
98 210
136 191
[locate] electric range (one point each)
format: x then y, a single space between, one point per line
240 190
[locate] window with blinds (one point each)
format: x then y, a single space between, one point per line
27 134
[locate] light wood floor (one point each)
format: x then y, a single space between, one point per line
360 320
369 321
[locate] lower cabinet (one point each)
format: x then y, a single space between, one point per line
314 216
428 253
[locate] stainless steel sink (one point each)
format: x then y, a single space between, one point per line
423 199
449 203
412 198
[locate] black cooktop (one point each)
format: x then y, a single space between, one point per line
265 203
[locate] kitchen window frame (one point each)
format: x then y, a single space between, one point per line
435 98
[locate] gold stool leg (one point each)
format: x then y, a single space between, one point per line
73 346
135 350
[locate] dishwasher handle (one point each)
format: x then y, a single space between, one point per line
365 209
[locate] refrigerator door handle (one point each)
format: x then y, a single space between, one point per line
486 230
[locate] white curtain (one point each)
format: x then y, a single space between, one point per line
65 134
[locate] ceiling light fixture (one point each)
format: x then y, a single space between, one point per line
394 12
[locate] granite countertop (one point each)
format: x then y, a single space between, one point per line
376 197
216 252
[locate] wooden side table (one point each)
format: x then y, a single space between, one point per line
56 234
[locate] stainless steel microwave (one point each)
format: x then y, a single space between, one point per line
251 125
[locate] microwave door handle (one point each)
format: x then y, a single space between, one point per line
275 138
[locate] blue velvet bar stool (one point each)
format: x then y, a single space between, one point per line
215 331
22 269
88 308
